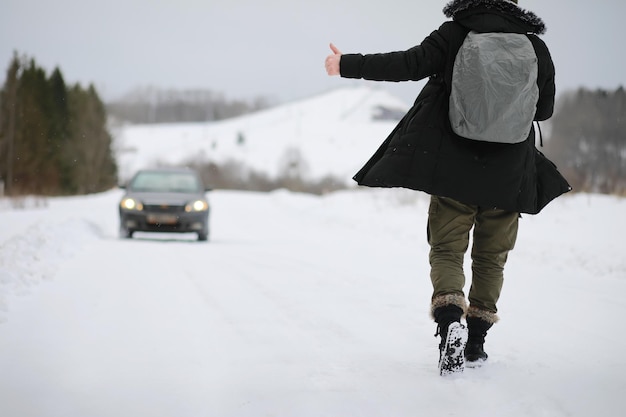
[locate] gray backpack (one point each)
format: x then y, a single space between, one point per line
494 88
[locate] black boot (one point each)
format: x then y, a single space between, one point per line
453 338
443 317
475 353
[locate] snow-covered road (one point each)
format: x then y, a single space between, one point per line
299 306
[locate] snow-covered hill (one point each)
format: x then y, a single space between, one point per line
332 134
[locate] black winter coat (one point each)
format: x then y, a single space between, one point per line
423 153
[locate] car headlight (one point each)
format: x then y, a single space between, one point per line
131 204
198 205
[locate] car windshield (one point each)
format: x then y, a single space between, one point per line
176 182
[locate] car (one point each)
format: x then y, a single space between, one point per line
165 200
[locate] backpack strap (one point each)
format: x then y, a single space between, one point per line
540 134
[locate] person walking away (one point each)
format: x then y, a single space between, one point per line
469 142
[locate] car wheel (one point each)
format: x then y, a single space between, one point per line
125 233
203 237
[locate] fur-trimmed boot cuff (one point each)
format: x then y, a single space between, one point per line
445 300
484 315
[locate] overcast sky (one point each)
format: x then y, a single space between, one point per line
273 48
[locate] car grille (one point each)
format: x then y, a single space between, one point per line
163 208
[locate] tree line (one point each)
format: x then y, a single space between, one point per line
53 137
154 105
588 140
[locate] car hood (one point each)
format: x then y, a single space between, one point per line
172 199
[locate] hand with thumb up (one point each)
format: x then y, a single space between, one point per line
332 61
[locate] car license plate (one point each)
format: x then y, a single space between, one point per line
162 219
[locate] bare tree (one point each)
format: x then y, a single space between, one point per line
588 140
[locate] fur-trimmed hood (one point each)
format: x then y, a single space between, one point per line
506 16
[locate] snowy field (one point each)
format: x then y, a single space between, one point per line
300 306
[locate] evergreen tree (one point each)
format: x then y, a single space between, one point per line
34 161
95 169
59 132
8 114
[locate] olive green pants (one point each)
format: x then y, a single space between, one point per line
495 232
